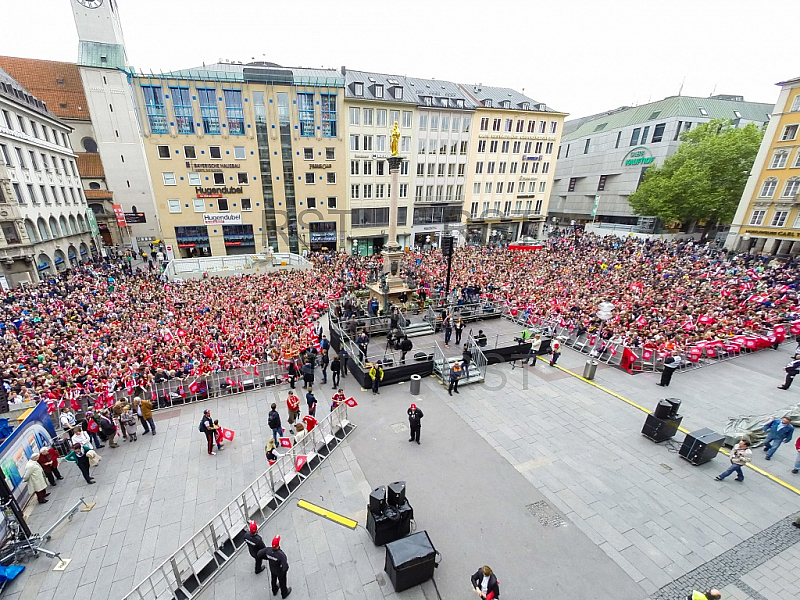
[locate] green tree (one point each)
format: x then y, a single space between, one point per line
704 179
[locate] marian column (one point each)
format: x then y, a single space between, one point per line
392 253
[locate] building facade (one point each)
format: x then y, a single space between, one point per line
245 157
603 158
511 164
768 216
43 213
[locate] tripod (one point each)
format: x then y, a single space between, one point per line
20 543
518 354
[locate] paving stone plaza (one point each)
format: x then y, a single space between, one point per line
542 476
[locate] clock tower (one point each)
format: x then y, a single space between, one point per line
100 33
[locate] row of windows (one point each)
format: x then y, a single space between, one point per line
371 217
364 143
199 205
365 168
196 179
454 147
381 190
190 152
58 195
31 127
38 161
508 126
395 91
443 123
778 218
434 169
534 167
781 158
364 116
504 147
439 193
501 187
790 190
495 211
43 231
639 136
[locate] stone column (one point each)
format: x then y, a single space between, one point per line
394 197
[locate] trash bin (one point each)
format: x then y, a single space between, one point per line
415 383
589 369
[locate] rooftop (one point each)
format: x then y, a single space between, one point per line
58 84
500 97
90 165
10 88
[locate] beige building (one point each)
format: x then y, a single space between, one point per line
511 165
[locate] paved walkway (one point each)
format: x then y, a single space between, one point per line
535 472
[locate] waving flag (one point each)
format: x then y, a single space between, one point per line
351 402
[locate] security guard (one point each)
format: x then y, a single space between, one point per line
709 595
376 375
256 546
278 566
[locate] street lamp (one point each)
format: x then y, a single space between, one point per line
605 312
355 246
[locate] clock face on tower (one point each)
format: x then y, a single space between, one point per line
91 3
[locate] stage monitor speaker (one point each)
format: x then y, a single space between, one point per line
701 446
663 408
660 430
377 500
397 493
676 406
410 561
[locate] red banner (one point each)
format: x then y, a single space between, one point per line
120 214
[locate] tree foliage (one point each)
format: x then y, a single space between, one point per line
704 179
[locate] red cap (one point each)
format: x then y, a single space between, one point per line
253 527
276 541
414 406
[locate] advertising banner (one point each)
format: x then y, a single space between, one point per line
119 214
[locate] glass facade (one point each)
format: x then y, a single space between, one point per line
284 119
305 109
182 105
262 135
193 241
209 111
239 239
154 105
234 111
329 124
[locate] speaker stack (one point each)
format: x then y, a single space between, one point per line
662 424
701 446
389 517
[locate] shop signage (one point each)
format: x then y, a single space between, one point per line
185 245
138 217
775 232
119 214
320 165
638 156
211 166
526 195
537 157
222 218
93 222
323 236
209 195
228 243
511 136
524 178
216 190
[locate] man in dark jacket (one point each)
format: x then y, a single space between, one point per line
485 583
414 422
405 348
455 374
336 368
792 369
278 566
292 372
107 427
274 423
256 546
344 356
308 374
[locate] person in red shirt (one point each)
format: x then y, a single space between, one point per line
293 406
338 398
48 458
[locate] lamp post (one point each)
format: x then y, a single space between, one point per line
355 246
606 311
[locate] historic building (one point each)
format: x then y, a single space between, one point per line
768 216
43 213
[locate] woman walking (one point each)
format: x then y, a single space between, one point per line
34 477
48 458
79 457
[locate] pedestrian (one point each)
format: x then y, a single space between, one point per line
311 401
299 432
455 375
207 427
556 349
740 456
293 406
466 359
120 408
672 362
79 436
533 353
362 341
48 458
481 339
34 477
274 423
272 456
797 460
344 356
256 546
405 347
218 435
792 369
485 583
447 325
107 428
292 372
324 363
414 422
128 421
89 425
376 376
459 328
67 419
338 398
80 458
308 373
144 409
709 595
778 432
336 368
278 566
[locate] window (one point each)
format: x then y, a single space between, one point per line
305 113
329 124
182 105
404 190
154 107
380 117
635 136
441 170
308 154
532 126
456 124
496 124
757 218
586 146
358 88
367 167
545 167
490 167
423 122
703 111
367 191
797 160
174 205
479 167
509 124
658 133
779 218
380 190
504 148
32 194
487 187
404 168
792 187
355 115
209 113
499 187
310 203
331 177
235 111
531 187
482 146
779 159
367 112
34 129
380 168
394 117
219 178
553 126
524 168
188 152
431 167
542 126
214 152
163 152
548 149
461 168
354 189
354 142
476 188
789 133
354 167
795 104
20 158
4 154
169 178
194 179
367 143
528 146
645 133
406 118
485 124
331 201
510 189
242 179
199 205
18 193
398 93
380 143
493 146
330 153
34 162
513 167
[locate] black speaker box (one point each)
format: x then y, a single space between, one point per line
660 430
701 446
397 493
663 409
394 523
410 561
676 406
377 500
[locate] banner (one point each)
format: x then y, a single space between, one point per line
120 215
35 432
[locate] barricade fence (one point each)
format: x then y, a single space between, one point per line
195 563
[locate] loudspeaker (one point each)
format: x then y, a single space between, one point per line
701 446
676 406
660 430
663 409
397 493
377 500
447 245
410 561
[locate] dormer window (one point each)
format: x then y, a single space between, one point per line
526 106
505 104
487 103
358 88
459 104
426 100
379 91
398 93
444 102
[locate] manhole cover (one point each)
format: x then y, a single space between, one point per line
666 467
546 514
399 427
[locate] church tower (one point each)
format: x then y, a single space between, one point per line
100 33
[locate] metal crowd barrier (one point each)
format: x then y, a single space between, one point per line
196 563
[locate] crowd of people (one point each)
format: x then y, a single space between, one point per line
102 328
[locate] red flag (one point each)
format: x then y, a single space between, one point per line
230 381
181 391
285 442
795 327
75 404
299 462
245 371
647 354
51 407
351 402
628 358
129 388
181 332
641 321
227 434
255 371
194 387
154 397
93 426
271 462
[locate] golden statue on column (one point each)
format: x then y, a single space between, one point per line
395 139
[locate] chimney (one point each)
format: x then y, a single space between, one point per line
344 70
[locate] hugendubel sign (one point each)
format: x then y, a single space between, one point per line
222 218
